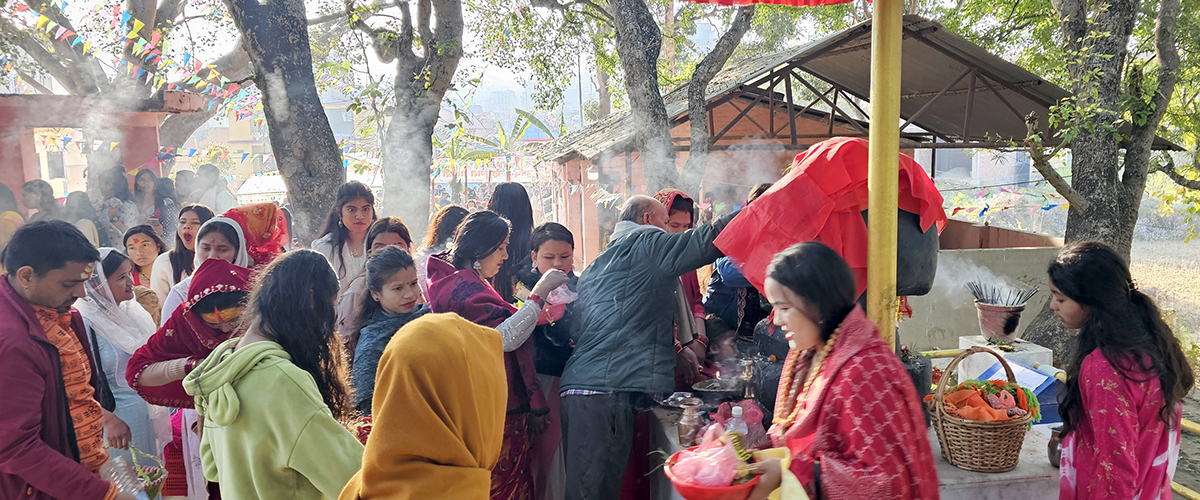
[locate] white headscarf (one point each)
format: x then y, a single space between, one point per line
127 325
243 257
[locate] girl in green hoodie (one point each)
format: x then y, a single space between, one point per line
272 399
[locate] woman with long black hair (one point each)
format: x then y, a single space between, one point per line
343 243
38 195
164 217
389 304
1125 386
835 434
511 201
78 210
438 238
143 192
117 211
272 398
172 267
459 283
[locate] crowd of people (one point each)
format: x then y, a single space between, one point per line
482 364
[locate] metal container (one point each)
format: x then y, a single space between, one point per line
717 391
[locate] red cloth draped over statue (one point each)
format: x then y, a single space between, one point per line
792 3
821 199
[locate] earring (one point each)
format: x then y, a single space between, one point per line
476 266
535 269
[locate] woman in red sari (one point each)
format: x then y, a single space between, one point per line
459 284
847 410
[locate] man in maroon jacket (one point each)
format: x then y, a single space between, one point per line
47 263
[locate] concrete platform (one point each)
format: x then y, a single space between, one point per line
1033 478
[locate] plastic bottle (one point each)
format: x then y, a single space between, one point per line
736 425
117 471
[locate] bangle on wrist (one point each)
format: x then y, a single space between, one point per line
189 365
701 339
537 300
678 347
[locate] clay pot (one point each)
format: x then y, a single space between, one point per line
999 322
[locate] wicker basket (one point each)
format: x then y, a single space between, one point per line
971 444
153 477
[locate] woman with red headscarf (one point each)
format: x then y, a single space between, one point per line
210 315
690 334
249 236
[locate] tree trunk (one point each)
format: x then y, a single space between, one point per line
177 129
668 50
605 95
1113 189
275 34
638 44
420 85
693 170
407 160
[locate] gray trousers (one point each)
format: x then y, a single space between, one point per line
597 436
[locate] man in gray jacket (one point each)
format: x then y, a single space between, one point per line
625 345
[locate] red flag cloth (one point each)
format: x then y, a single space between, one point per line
792 3
821 199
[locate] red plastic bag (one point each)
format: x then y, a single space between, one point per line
712 464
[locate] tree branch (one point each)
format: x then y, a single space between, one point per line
39 54
176 129
693 170
600 13
1169 169
386 43
1072 15
424 13
168 11
1141 140
1033 143
33 83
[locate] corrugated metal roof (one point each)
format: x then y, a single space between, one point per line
932 57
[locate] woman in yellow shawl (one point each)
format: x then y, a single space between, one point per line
440 396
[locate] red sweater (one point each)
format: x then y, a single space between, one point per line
38 455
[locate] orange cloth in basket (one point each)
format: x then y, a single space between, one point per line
969 404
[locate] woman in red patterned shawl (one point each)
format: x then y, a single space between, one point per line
209 317
459 284
847 410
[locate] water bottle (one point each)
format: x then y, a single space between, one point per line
736 425
117 471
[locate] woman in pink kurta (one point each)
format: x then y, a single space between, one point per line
1122 406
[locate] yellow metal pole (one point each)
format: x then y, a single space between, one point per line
884 164
943 353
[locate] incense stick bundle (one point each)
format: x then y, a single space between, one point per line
1000 295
